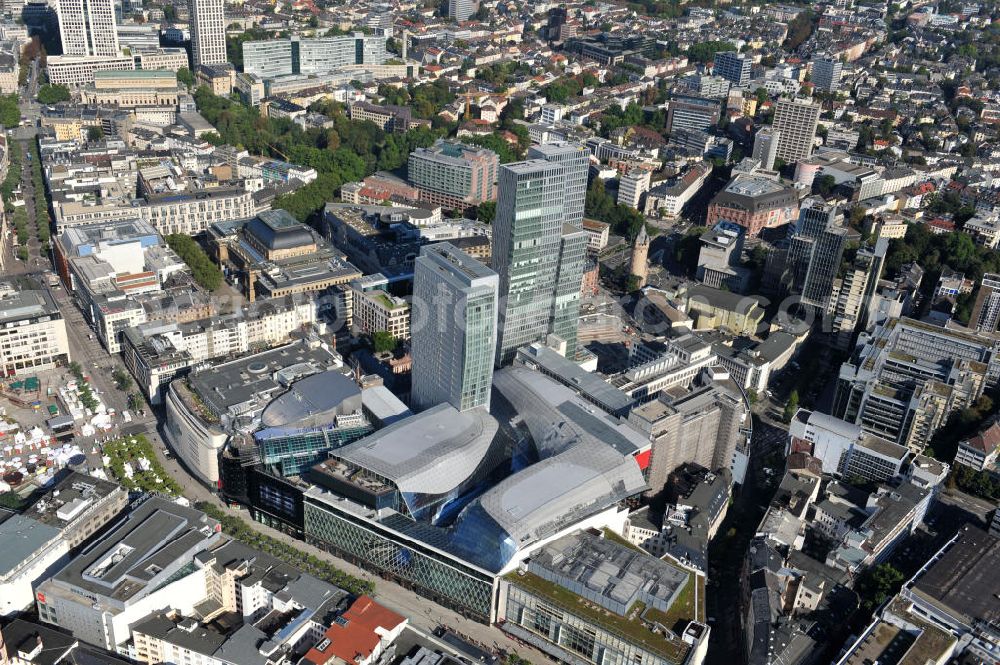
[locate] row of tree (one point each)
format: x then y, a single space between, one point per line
205 273
53 94
42 219
10 111
13 179
425 100
237 528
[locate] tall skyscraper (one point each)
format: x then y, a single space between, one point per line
537 255
853 292
986 311
565 318
826 72
795 120
461 10
208 32
576 159
765 147
815 252
87 28
701 425
732 66
454 329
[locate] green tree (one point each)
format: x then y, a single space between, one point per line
486 211
205 273
878 584
705 51
791 406
122 379
95 133
799 29
10 112
824 185
185 77
53 94
383 341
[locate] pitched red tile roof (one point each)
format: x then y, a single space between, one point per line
356 634
986 441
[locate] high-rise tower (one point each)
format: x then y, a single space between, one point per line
826 72
208 32
765 147
461 10
815 252
538 256
576 159
454 328
732 66
87 28
796 120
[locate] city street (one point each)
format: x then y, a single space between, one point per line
726 551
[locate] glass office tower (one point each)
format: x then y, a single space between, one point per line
454 330
526 245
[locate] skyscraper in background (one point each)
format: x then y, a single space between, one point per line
454 329
815 252
796 120
87 28
826 72
537 255
576 159
208 32
853 292
565 320
986 311
732 66
765 147
461 10
692 112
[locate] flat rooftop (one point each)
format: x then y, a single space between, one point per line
614 586
23 305
588 384
72 496
135 555
252 377
964 581
22 537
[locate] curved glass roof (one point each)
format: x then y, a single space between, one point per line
317 397
432 452
587 464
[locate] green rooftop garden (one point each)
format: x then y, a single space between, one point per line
386 301
631 627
